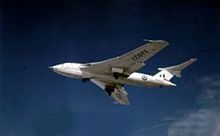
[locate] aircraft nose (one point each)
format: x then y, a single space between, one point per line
51 67
55 67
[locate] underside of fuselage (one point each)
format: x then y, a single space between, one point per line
129 80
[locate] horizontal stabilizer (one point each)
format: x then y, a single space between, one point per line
168 72
176 70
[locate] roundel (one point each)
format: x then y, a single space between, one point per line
144 77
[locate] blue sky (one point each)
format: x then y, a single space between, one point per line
37 102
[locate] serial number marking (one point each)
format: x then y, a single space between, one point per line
139 55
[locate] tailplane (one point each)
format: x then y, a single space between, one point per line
168 72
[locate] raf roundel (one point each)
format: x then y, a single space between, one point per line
144 77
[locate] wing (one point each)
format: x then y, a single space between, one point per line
129 62
116 91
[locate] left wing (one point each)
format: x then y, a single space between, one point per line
129 62
116 91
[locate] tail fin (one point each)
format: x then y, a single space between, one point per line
168 72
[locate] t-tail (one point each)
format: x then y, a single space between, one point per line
167 73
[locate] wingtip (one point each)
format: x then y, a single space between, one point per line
159 41
193 59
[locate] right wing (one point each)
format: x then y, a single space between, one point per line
129 62
116 91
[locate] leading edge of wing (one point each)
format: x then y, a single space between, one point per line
159 43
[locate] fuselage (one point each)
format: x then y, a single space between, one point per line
73 70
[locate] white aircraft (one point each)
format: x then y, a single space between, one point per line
112 74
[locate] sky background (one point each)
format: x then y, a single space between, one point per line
34 101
